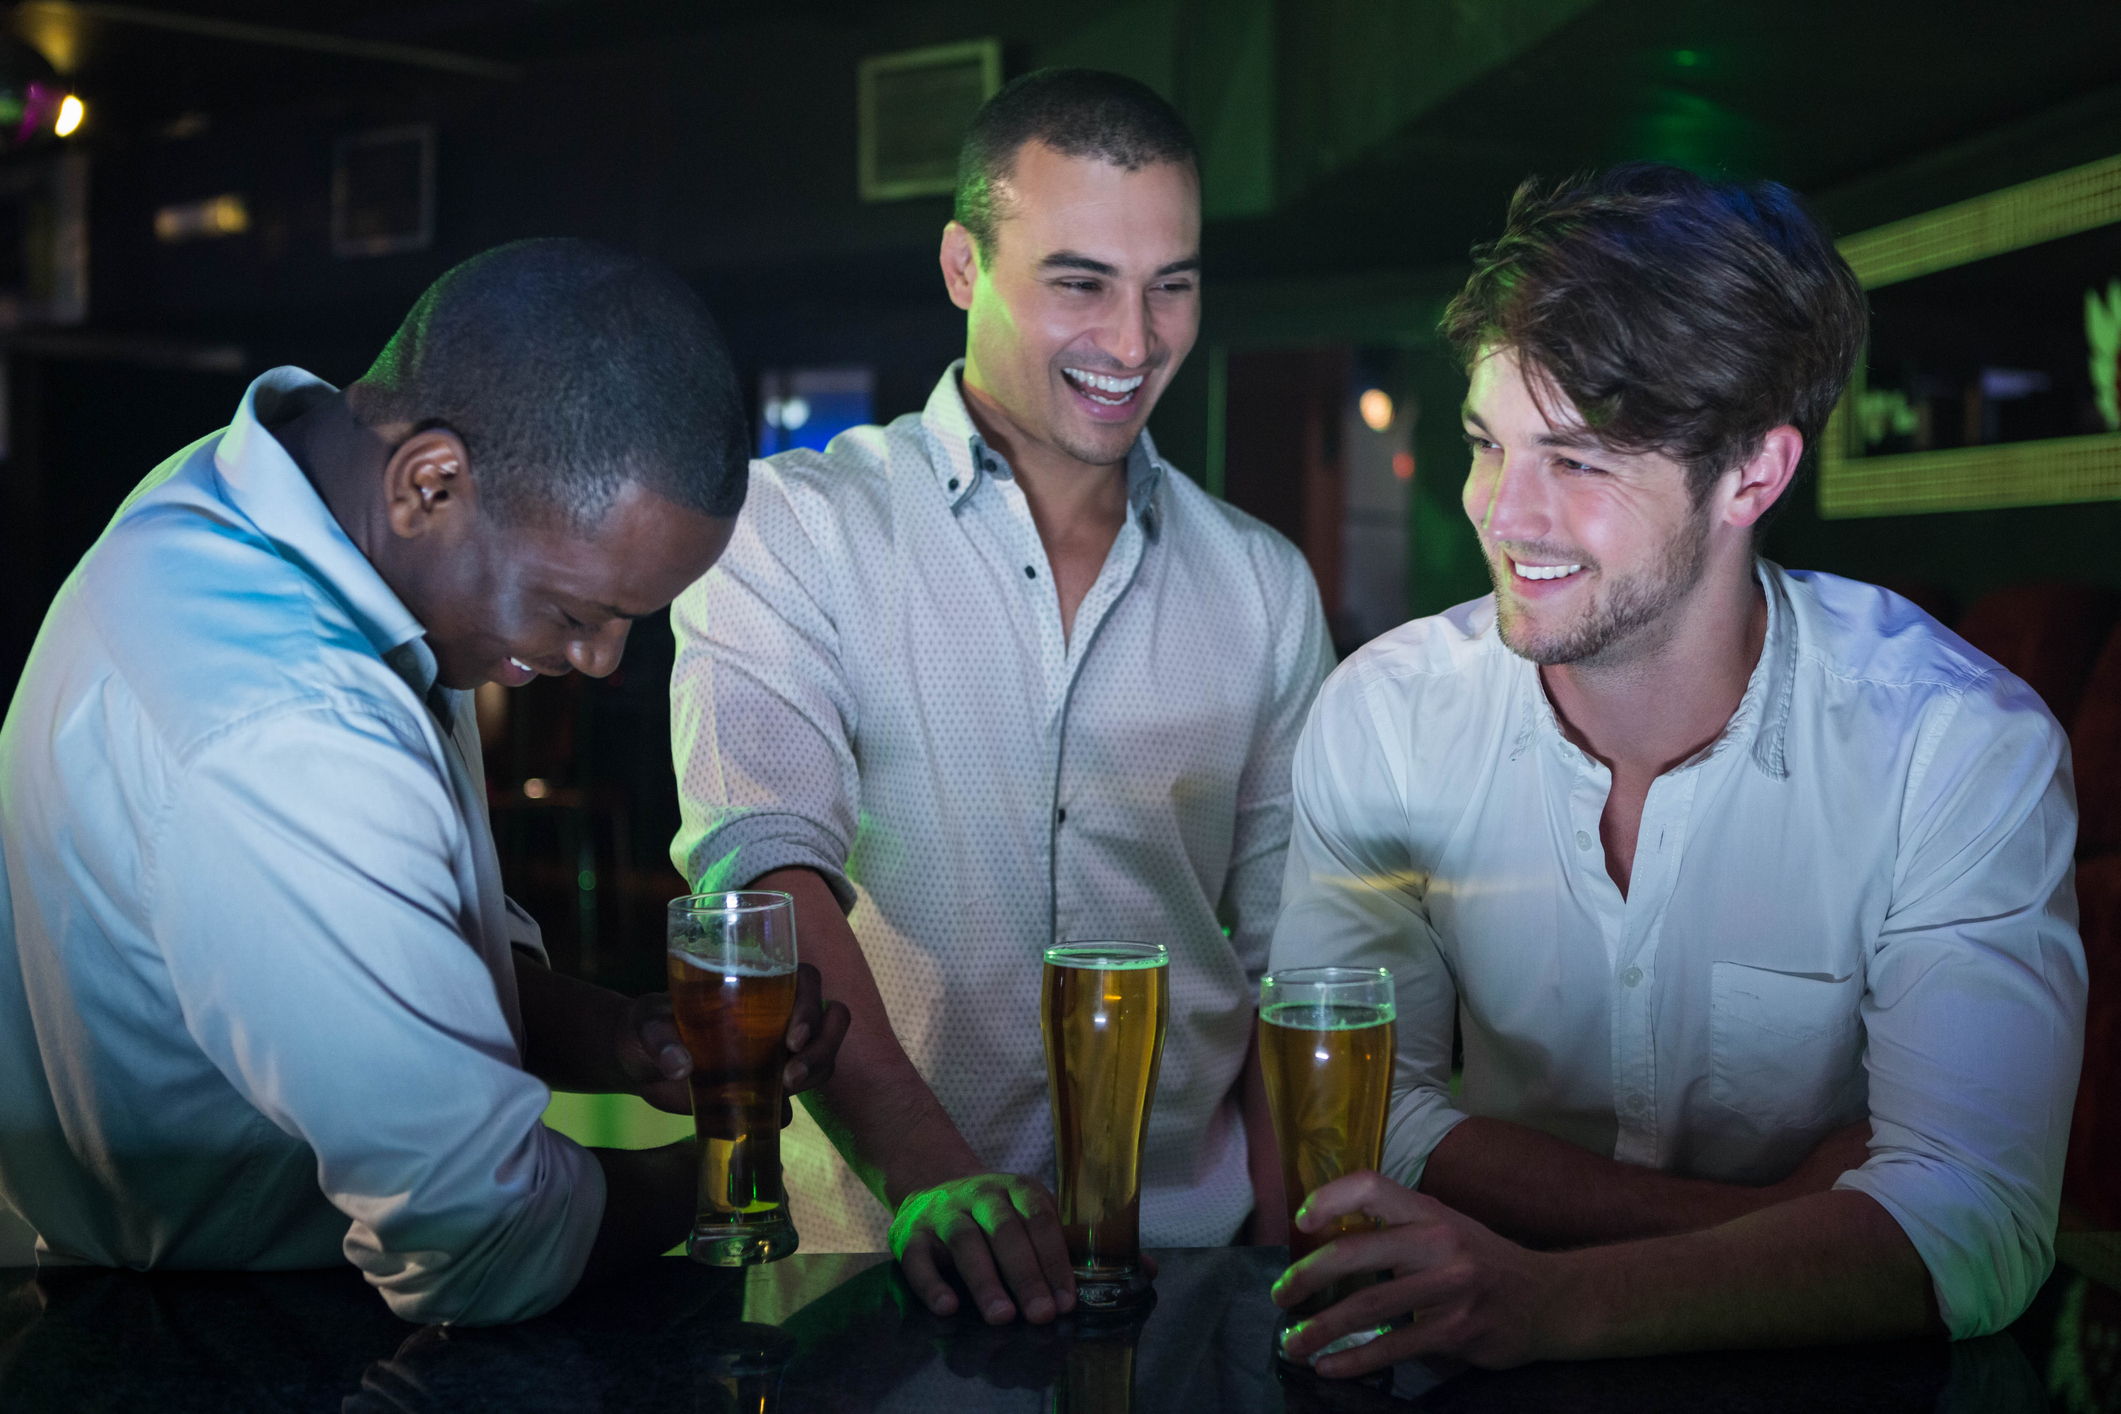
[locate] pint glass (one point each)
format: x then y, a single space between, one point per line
1326 1045
732 984
1103 1010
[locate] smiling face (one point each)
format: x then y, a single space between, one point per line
506 602
1593 553
1088 302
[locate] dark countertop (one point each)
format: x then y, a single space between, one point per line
850 1337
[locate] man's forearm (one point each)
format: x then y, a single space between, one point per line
649 1200
1547 1192
1826 1268
1269 1224
877 1110
568 1026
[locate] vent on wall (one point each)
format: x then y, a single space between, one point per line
914 109
383 191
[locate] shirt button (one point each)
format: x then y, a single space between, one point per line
1632 977
1030 573
953 483
1062 814
1583 841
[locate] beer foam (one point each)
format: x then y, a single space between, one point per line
734 969
1310 1016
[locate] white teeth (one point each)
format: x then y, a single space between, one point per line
1120 388
1545 571
520 664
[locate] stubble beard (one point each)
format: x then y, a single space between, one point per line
1622 622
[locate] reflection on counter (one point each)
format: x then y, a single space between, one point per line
844 1333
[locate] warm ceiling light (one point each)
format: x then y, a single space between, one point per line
225 215
71 111
1376 408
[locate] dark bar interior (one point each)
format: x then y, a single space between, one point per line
1781 884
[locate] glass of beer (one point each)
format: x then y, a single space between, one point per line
1103 1010
732 984
1326 1044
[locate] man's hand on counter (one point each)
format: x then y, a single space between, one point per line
1002 1233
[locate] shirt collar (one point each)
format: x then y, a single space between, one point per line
1763 715
261 480
959 456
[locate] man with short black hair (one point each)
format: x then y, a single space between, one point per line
1749 891
263 1004
995 677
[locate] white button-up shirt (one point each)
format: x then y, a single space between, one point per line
1858 899
257 999
873 682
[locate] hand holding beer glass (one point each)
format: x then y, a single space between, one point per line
1103 1009
732 985
1327 1040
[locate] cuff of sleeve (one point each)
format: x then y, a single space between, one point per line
1984 1267
1419 1120
753 846
524 934
520 1268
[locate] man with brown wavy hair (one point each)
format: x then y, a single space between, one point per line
1748 891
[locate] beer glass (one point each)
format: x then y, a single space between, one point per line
1103 1008
1326 1045
732 984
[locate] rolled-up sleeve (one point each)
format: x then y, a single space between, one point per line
1352 896
1975 1006
1302 655
307 897
762 718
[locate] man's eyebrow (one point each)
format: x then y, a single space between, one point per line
1580 442
1076 260
1180 267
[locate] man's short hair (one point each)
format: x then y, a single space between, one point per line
1680 316
1077 113
569 369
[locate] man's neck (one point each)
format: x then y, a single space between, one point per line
1069 498
1645 711
342 459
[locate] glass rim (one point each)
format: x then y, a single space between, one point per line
1108 954
1327 977
716 902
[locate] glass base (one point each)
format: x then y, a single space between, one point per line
1109 1290
726 1244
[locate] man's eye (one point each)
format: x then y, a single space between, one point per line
1086 287
570 620
1479 444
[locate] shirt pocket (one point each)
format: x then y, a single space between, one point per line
1783 1046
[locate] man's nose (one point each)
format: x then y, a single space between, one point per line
1516 508
597 655
1126 338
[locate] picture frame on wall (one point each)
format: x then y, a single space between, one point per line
1990 380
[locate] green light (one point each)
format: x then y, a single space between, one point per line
1685 58
588 880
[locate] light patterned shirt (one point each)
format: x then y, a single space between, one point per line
1856 901
873 683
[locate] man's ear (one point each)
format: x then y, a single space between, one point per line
1764 477
427 484
960 260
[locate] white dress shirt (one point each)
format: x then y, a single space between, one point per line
257 999
1858 899
873 683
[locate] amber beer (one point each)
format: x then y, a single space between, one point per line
1326 1044
1103 1010
732 985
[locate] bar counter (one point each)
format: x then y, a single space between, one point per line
843 1333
